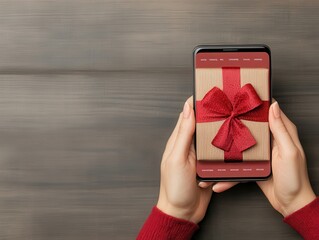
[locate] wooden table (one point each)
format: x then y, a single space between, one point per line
90 91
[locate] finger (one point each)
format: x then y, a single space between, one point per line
190 101
185 133
278 129
292 129
192 154
171 141
223 186
265 186
193 146
205 184
262 185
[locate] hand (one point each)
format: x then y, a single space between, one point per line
289 188
180 195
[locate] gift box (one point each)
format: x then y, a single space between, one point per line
232 114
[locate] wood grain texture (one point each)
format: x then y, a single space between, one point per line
91 90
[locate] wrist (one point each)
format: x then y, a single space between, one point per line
177 212
298 202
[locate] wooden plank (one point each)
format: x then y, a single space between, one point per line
113 35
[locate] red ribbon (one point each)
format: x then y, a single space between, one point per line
233 136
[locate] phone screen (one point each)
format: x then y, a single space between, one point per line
232 98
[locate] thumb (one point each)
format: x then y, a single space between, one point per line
185 132
278 128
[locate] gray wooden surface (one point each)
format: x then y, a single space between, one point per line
90 91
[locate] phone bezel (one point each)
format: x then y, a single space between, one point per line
232 48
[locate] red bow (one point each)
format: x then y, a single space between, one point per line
216 106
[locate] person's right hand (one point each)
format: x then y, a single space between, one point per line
289 188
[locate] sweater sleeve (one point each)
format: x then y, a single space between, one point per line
162 226
306 220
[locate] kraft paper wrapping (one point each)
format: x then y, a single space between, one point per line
206 79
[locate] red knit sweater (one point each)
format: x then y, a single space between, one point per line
162 226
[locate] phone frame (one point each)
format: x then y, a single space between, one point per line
232 48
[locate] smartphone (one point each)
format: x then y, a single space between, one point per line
232 95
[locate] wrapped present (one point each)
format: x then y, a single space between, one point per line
232 114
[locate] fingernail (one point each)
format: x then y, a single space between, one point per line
214 188
186 110
276 110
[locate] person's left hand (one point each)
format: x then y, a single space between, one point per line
181 195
